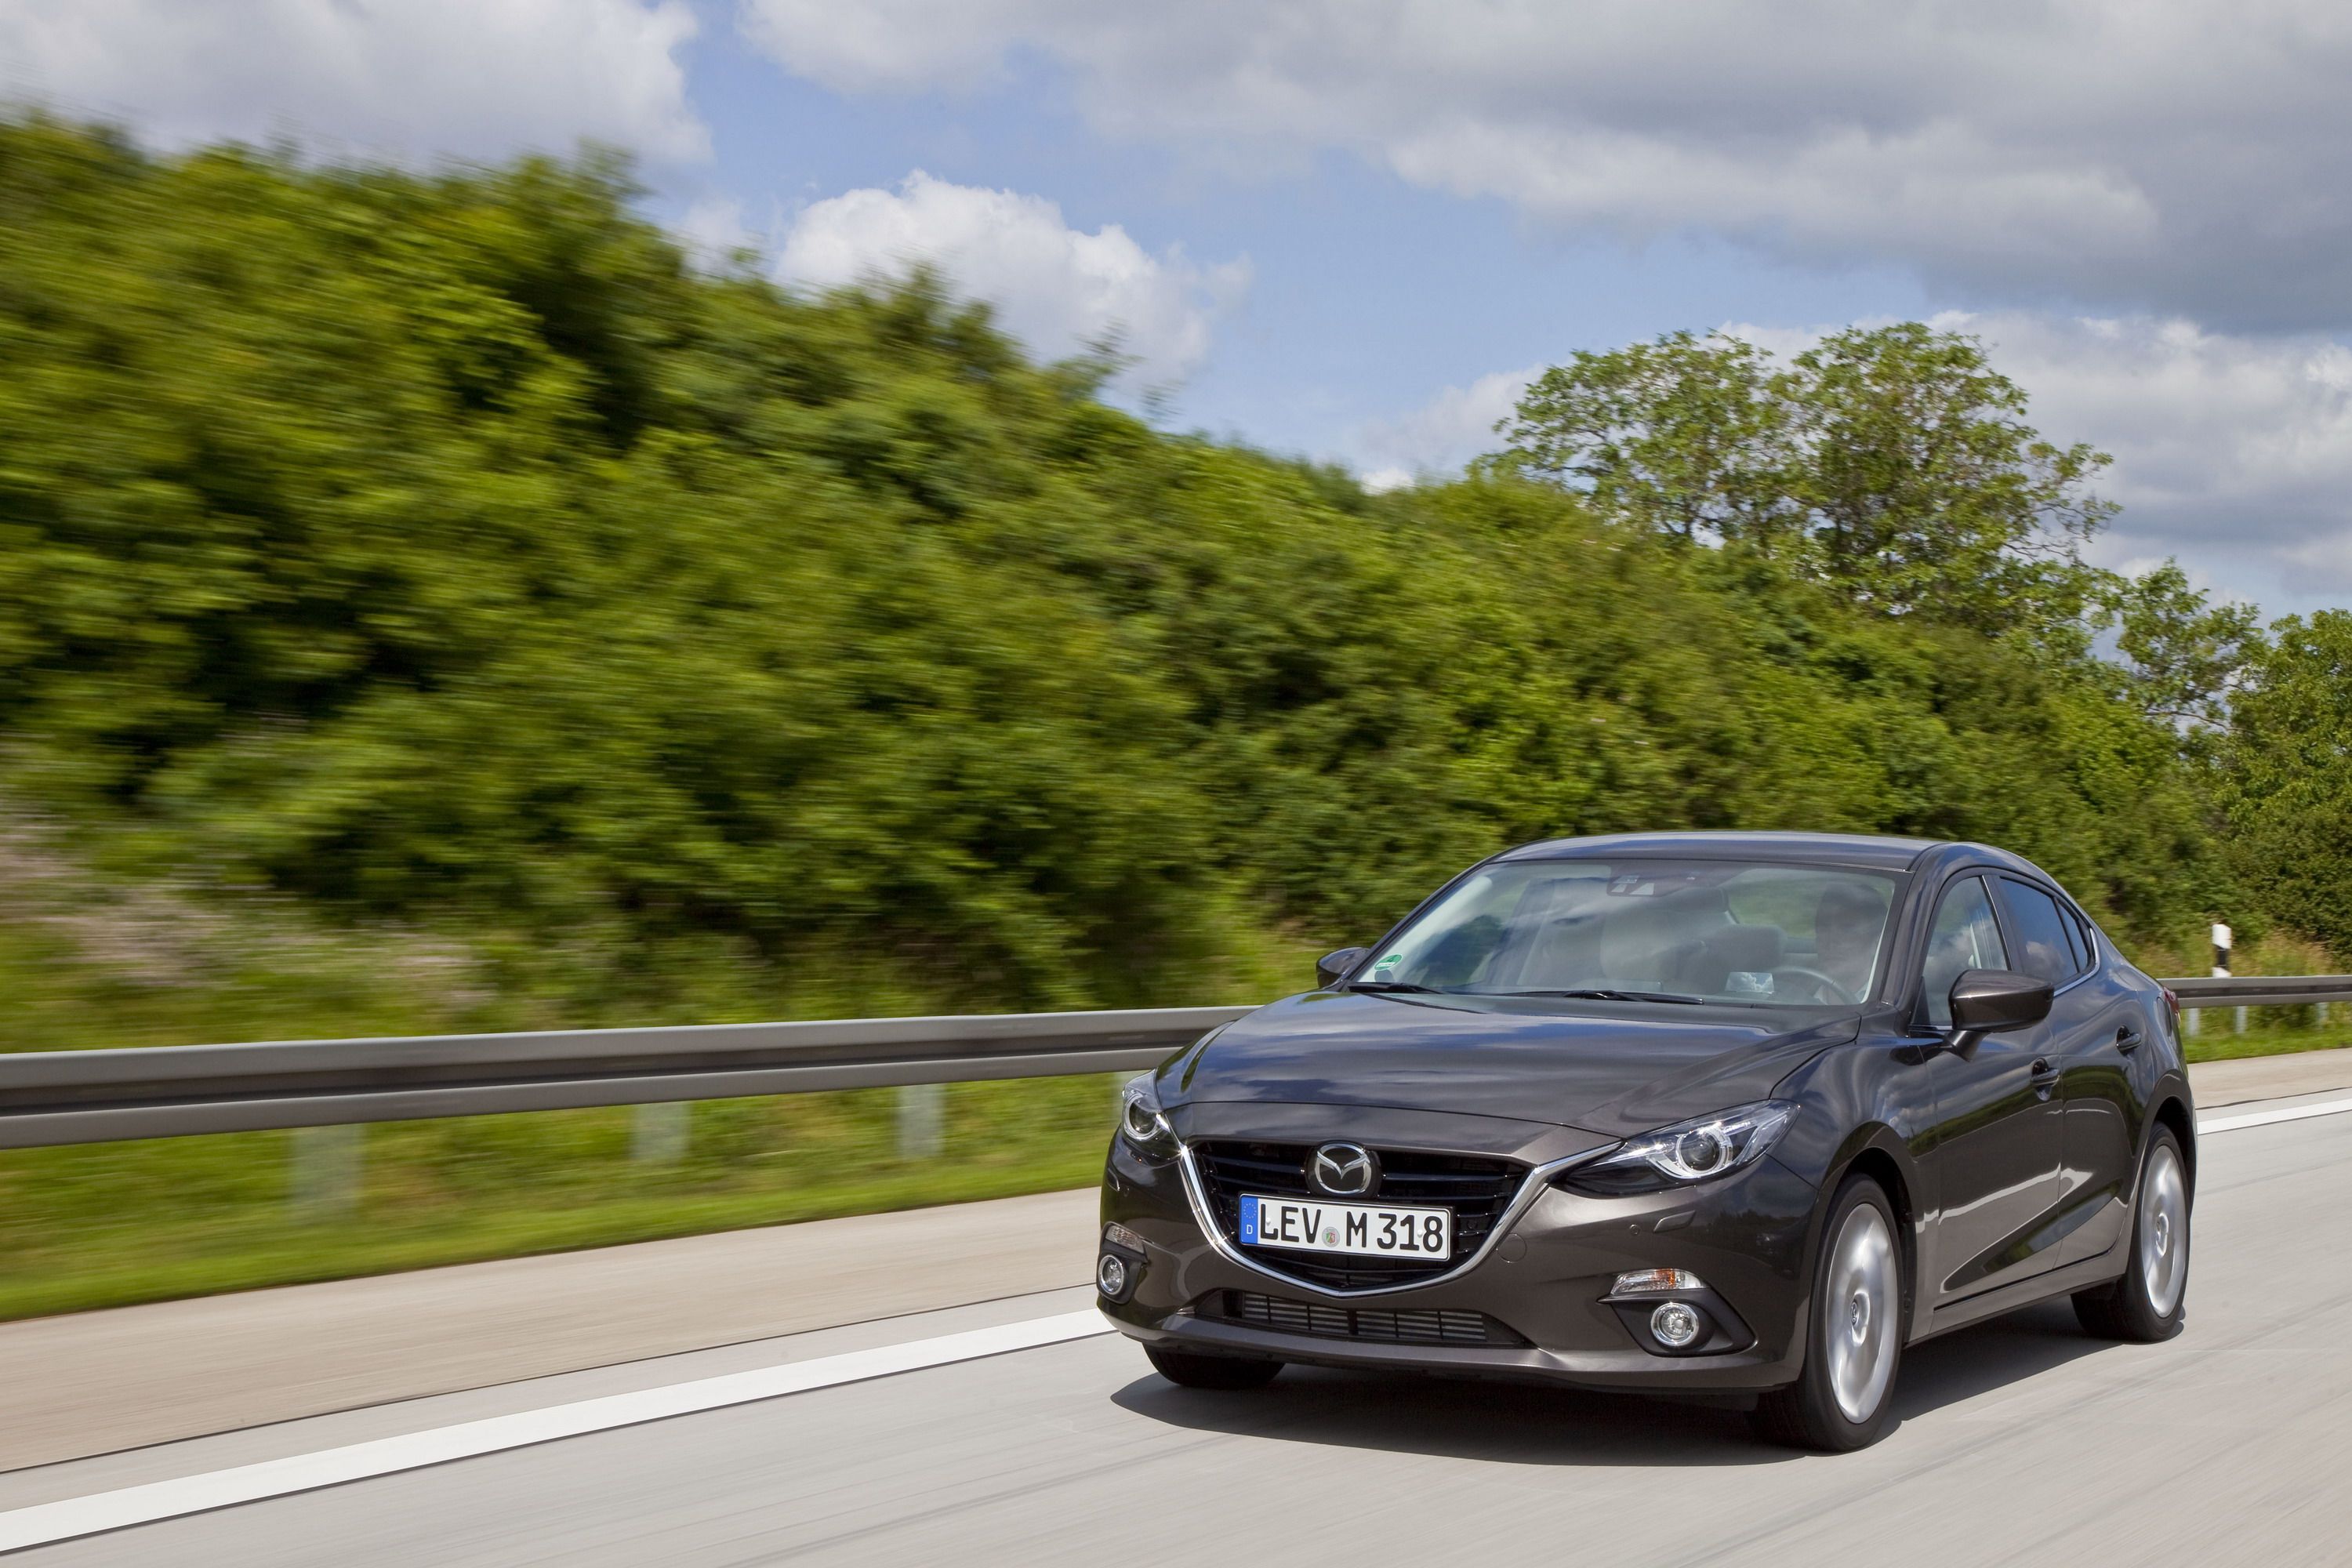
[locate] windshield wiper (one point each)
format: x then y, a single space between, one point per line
1594 995
1393 986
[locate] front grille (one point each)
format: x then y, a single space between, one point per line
1400 1328
1476 1190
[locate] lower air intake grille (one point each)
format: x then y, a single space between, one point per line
1400 1328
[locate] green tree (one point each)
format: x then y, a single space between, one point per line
2181 653
2290 775
1695 437
1892 463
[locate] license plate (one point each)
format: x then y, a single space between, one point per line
1368 1230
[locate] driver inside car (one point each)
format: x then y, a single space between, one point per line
1846 926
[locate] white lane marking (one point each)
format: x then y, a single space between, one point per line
2265 1118
47 1522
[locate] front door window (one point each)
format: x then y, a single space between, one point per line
1965 937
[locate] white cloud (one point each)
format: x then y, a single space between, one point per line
892 47
477 77
713 229
1442 434
1056 288
2165 155
2233 453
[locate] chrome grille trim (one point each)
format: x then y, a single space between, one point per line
1531 1188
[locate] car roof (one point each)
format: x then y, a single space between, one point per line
1876 851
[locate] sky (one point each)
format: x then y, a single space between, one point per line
1352 229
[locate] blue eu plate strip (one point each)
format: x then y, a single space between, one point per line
1249 1221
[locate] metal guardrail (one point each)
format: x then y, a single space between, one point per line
92 1097
2261 990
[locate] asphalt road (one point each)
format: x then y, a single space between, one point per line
2020 1440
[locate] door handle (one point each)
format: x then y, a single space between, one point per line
2128 1039
2045 1077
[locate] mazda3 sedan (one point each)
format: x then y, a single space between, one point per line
1705 1113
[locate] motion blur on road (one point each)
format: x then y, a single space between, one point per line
520 520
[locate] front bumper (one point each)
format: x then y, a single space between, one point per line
1546 1277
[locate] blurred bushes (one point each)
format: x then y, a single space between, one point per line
396 553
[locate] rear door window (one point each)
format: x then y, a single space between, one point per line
1965 936
2075 947
2088 935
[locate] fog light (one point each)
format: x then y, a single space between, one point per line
1643 1280
1111 1276
1674 1324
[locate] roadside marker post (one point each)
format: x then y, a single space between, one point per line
2221 939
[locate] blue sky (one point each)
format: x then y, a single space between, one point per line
1346 228
1367 296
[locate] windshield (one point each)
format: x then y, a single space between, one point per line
1686 930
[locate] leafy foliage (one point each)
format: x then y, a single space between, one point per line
2290 779
442 550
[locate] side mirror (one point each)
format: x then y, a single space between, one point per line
1993 1001
1333 967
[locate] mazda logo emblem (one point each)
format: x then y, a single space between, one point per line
1343 1171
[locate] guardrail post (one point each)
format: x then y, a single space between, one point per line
326 1164
657 1132
922 1120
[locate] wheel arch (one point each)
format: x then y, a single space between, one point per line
2172 1112
1878 1154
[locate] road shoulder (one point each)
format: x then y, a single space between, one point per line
96 1382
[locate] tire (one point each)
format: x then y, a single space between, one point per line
1853 1333
1189 1370
2150 1302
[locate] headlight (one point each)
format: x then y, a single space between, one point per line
1140 1123
1698 1150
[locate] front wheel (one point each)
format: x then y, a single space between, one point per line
2151 1301
1855 1338
1189 1370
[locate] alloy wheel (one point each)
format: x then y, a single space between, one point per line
2164 1230
1859 1310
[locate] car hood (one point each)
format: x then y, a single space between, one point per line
1615 1068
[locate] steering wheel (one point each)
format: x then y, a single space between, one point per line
1824 985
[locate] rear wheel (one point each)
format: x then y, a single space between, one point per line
1855 1344
1211 1371
2151 1301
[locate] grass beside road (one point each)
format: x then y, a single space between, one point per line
114 1224
2215 1042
